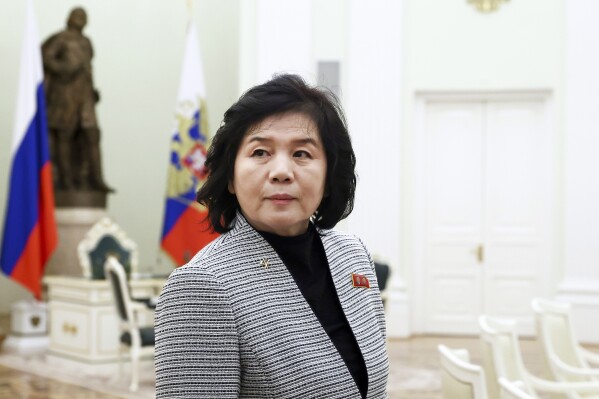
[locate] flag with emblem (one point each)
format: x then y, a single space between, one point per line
30 233
186 229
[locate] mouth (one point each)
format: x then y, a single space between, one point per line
280 199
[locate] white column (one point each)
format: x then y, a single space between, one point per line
373 109
275 37
580 280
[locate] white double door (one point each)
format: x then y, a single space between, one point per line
486 212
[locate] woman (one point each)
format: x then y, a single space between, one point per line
278 306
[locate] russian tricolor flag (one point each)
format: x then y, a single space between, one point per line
186 229
30 234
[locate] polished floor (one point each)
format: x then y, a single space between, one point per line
414 373
15 384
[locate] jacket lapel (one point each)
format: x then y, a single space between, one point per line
275 281
356 302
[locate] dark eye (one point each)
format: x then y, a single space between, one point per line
259 153
301 154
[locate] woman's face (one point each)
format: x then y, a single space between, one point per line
279 174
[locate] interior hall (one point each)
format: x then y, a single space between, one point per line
474 124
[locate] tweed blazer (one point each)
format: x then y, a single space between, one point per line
232 323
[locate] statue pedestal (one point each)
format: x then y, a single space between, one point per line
72 223
80 199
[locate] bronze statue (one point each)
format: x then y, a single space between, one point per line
70 101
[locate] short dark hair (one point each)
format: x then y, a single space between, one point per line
283 93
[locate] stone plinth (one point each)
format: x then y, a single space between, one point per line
72 223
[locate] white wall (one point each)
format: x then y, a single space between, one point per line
422 46
290 36
275 38
580 280
138 54
582 141
374 87
451 47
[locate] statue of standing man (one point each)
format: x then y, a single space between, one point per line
70 101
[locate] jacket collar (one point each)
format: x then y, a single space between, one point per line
340 273
242 227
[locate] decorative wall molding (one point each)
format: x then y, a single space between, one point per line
487 6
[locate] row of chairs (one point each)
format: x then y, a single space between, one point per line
504 374
464 380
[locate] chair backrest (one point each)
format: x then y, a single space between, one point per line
513 390
103 239
501 351
382 271
460 378
501 339
115 273
554 326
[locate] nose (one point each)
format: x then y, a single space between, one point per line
281 170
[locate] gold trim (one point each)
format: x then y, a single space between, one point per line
69 328
487 6
54 343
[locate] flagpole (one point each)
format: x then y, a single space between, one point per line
182 236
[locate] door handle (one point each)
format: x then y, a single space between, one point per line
480 253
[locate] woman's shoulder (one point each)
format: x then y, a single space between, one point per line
212 249
197 277
338 236
216 266
344 244
216 257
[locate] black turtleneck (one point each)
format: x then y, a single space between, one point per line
306 260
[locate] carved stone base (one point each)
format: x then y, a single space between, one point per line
80 199
72 223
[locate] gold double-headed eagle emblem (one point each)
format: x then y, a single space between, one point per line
186 169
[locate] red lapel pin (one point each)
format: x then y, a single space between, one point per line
359 281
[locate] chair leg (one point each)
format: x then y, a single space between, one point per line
134 369
120 358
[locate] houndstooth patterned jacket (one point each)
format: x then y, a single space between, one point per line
232 323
